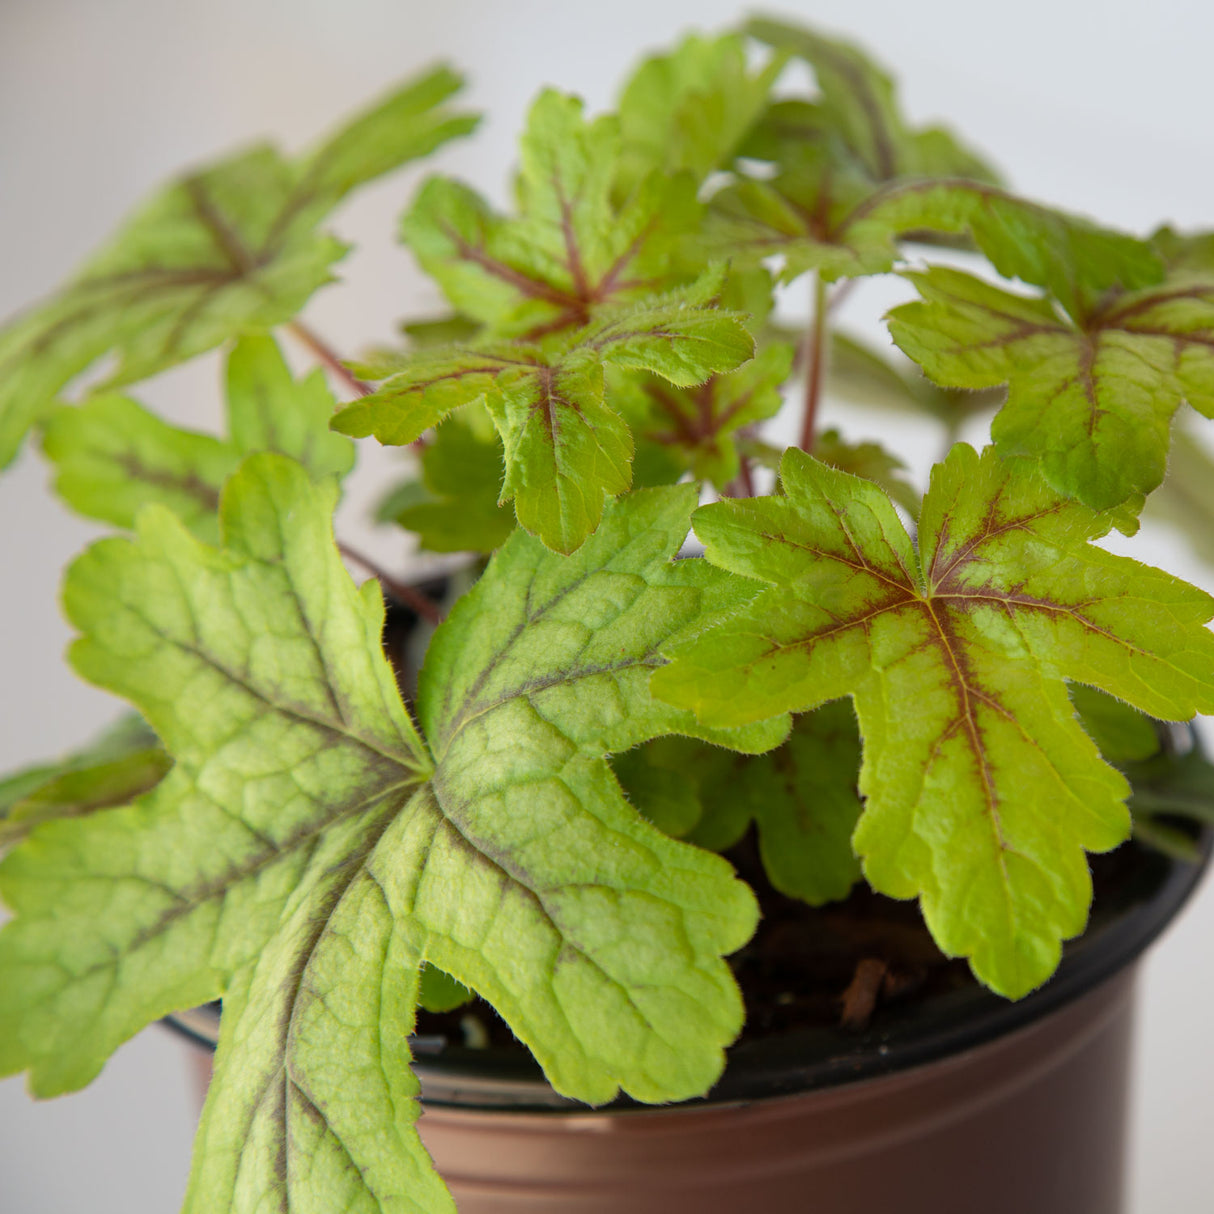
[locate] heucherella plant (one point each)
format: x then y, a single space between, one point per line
949 692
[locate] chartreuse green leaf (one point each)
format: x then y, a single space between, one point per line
571 250
309 851
690 109
270 410
231 248
872 462
817 218
454 507
1090 397
698 426
123 762
982 792
801 796
112 456
566 449
857 110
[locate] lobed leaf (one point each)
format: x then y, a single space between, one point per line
113 457
697 428
872 462
982 793
690 109
309 852
229 249
571 250
566 450
1089 401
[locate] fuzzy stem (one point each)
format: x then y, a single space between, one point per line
325 354
814 364
410 596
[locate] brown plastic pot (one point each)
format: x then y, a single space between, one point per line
966 1105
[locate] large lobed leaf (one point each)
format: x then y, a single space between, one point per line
231 248
309 851
982 792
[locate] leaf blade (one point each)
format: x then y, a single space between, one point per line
1010 598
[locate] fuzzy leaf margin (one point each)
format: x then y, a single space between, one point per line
1090 399
566 449
230 248
982 792
310 850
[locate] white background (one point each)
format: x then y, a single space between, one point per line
1103 108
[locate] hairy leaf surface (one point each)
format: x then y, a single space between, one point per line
309 851
571 250
566 449
697 427
1090 399
231 248
113 457
982 792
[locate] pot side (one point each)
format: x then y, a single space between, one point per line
1033 1122
968 1105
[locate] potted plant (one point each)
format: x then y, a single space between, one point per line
852 689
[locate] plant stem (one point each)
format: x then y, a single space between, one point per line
326 355
814 364
410 596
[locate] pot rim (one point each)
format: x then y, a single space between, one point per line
817 1058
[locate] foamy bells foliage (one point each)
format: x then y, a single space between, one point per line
981 790
232 248
311 848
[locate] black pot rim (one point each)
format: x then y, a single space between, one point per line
814 1059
